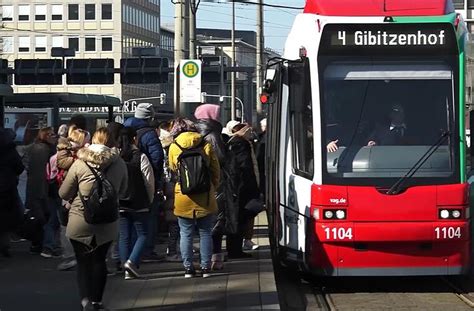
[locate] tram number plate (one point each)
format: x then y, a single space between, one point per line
444 233
338 233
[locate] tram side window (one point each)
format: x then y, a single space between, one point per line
301 118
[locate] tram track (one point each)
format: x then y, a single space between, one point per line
459 292
362 293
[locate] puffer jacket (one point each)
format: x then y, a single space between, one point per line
149 144
81 178
201 204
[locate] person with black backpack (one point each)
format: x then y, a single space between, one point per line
94 184
135 205
149 143
196 166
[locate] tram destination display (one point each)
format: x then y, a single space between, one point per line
389 38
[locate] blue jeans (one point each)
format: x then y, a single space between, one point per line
152 225
186 227
130 223
51 237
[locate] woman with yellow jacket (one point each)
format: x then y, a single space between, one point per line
194 210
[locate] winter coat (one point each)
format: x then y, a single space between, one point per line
201 204
242 170
11 167
141 183
37 156
81 178
149 144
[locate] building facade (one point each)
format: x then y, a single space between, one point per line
103 29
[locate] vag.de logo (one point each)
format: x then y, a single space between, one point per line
190 69
338 201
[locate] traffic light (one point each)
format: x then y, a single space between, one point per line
3 71
90 71
212 67
38 71
147 70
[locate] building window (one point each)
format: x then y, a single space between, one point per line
23 44
57 12
73 43
57 42
470 4
7 44
90 11
23 12
40 12
40 44
107 44
90 44
73 12
7 13
458 4
107 11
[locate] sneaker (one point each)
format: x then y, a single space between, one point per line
97 306
189 273
128 276
248 245
47 253
131 268
153 257
67 265
174 258
206 273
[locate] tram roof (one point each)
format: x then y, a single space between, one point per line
47 100
379 7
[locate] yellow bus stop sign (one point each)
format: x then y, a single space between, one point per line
190 69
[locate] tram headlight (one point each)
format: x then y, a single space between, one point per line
328 214
444 214
340 214
456 213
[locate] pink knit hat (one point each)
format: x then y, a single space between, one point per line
208 111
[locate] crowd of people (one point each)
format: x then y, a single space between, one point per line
93 197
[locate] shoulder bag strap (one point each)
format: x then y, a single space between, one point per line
96 176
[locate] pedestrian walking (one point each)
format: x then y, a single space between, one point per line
149 143
135 204
193 160
11 167
92 241
36 158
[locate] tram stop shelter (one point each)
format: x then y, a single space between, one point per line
60 100
5 90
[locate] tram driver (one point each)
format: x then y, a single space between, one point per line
392 132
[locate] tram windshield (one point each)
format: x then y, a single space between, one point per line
380 117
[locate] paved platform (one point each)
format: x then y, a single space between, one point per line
30 282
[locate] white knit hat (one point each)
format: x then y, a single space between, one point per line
228 128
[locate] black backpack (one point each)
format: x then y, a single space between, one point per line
101 206
193 170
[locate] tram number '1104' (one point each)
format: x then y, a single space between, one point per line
338 233
448 232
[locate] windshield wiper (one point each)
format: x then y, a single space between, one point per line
397 186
